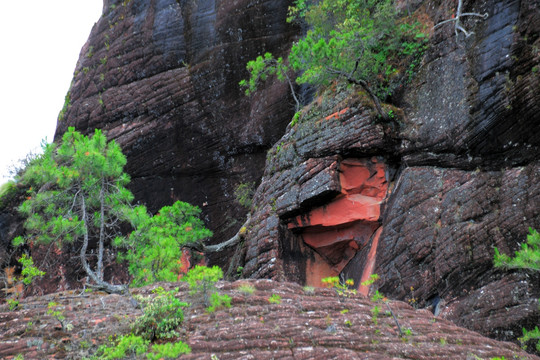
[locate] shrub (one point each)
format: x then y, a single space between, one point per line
359 42
274 299
527 258
29 271
126 345
342 289
244 194
161 316
218 301
246 289
168 351
202 280
155 247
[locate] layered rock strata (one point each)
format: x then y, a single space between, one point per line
161 78
314 325
462 177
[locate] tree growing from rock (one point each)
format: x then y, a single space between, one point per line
359 42
527 258
77 194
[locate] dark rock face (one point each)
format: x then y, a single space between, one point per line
462 171
458 171
161 77
314 325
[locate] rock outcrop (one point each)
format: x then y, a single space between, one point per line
421 201
305 325
161 78
457 174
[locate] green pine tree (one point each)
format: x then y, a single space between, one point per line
77 194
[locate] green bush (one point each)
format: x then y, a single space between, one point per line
202 280
527 258
168 351
218 301
531 335
246 289
29 271
155 247
244 194
274 299
126 345
359 42
162 314
342 289
7 191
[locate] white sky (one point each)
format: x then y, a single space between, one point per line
40 43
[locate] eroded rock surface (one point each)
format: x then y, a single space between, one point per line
313 325
161 78
462 176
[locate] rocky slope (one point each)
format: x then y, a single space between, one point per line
421 201
313 325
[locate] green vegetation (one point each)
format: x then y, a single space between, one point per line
359 42
342 289
528 258
67 104
202 280
162 314
12 304
154 249
7 192
53 309
168 351
29 271
76 192
126 345
244 194
531 335
246 289
274 299
90 52
77 195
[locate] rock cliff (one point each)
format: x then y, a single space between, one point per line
421 200
161 77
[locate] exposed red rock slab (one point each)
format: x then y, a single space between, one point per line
337 230
370 262
359 233
362 176
317 269
341 211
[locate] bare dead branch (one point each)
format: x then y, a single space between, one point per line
458 26
237 238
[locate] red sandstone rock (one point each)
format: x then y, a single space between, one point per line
315 325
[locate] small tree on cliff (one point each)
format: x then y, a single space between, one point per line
77 194
527 258
359 42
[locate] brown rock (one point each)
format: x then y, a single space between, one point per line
314 325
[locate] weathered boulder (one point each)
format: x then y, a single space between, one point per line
313 324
